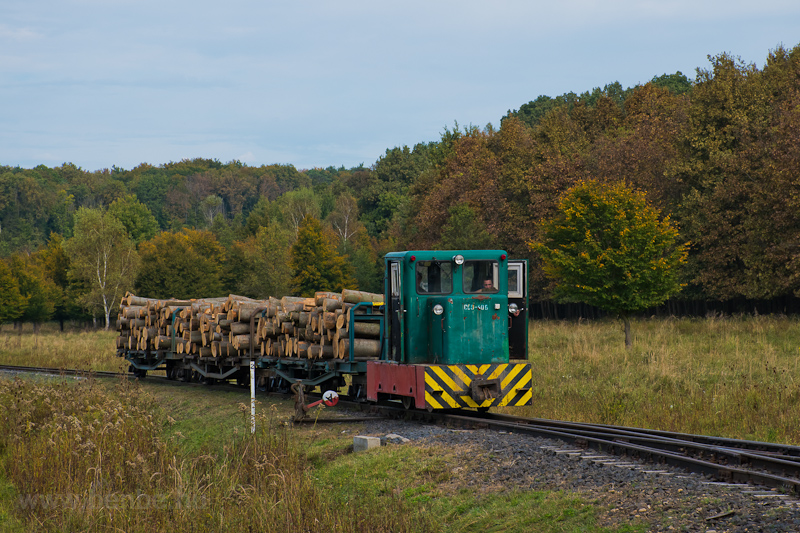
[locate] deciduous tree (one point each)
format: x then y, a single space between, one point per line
296 205
344 218
186 264
54 261
607 247
12 302
465 230
139 222
102 255
315 264
37 288
259 265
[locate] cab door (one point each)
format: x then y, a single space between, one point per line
395 312
518 294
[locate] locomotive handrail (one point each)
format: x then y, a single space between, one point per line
370 306
174 311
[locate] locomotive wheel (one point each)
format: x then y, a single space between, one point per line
408 403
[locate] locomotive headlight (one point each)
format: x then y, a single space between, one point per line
459 259
513 309
438 309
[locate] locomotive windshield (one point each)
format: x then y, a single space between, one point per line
434 277
480 276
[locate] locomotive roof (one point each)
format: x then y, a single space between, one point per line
442 255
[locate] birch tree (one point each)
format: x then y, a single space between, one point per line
294 206
102 254
344 218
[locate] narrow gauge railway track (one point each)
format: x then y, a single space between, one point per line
151 377
59 371
727 460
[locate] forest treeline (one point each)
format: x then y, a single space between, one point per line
719 155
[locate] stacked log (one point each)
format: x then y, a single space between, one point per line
313 328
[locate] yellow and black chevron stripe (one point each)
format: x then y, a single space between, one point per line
451 386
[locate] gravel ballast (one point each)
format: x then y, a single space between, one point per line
627 490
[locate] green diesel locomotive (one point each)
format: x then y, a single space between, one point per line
454 321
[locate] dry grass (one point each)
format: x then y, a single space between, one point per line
84 458
735 377
75 348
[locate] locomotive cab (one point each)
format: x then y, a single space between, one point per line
452 308
448 321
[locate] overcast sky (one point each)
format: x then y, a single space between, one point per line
311 83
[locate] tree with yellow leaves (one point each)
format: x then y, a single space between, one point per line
608 248
314 262
185 264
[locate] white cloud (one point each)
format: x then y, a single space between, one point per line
247 157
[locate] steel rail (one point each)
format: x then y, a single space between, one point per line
724 463
62 371
695 457
784 451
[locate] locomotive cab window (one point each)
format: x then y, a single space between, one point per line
395 279
434 277
515 277
480 276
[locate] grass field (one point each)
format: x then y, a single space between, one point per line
735 377
153 457
50 348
